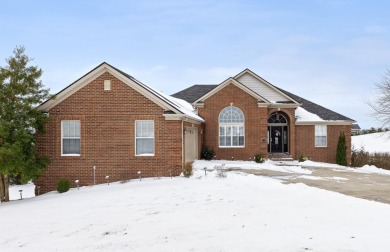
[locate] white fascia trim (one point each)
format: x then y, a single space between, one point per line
283 105
265 82
227 82
94 74
198 105
262 105
71 89
176 117
324 123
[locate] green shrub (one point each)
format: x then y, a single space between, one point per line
207 153
341 154
187 170
259 158
63 185
302 158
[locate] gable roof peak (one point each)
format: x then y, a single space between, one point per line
165 101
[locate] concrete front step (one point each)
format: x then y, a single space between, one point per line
280 157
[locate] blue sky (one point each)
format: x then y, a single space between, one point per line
331 52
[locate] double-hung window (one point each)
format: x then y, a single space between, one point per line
320 135
231 127
70 138
144 137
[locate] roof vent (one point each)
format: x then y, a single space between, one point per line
107 84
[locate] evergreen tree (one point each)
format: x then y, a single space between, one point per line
20 93
341 155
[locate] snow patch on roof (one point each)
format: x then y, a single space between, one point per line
303 115
183 106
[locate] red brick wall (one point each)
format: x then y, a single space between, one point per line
306 141
301 138
255 123
107 137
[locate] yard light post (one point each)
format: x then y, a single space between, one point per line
39 189
77 184
94 174
139 175
170 173
205 171
107 180
20 191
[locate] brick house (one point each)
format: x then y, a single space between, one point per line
245 115
107 123
110 121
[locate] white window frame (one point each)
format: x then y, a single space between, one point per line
321 131
62 139
231 124
135 139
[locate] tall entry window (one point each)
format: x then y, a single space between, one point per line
231 127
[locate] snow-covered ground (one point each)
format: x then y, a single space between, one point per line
203 213
375 142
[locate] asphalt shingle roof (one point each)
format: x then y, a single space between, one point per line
193 93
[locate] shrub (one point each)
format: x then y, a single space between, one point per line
259 158
362 157
207 153
302 158
341 155
63 185
187 170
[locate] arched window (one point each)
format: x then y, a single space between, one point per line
277 118
231 127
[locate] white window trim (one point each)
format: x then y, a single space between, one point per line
230 124
135 139
62 138
326 136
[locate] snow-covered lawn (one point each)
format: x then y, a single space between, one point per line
203 213
375 142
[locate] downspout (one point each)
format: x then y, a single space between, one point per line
182 144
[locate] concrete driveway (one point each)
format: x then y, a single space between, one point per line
368 186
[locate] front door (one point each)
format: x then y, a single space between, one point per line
276 138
